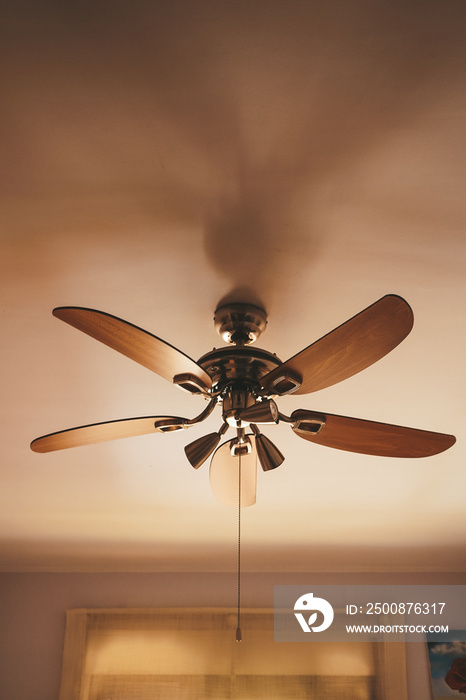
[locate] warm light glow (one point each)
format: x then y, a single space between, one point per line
182 651
192 653
157 652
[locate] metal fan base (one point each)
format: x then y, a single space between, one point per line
240 324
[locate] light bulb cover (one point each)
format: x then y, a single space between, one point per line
198 451
262 412
269 455
223 476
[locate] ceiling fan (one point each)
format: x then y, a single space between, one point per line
245 382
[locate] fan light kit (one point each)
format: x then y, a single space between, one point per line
245 382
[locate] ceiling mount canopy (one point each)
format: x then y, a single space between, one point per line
246 384
240 324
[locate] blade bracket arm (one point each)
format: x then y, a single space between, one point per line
284 382
169 425
308 423
191 384
204 414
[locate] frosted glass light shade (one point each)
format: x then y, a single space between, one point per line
224 476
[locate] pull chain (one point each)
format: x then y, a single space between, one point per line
238 628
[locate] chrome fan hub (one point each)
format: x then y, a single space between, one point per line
236 364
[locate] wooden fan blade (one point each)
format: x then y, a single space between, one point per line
348 349
134 342
369 437
110 430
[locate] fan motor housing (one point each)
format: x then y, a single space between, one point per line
238 364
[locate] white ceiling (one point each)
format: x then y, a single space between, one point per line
159 157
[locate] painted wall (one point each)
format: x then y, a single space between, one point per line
33 605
